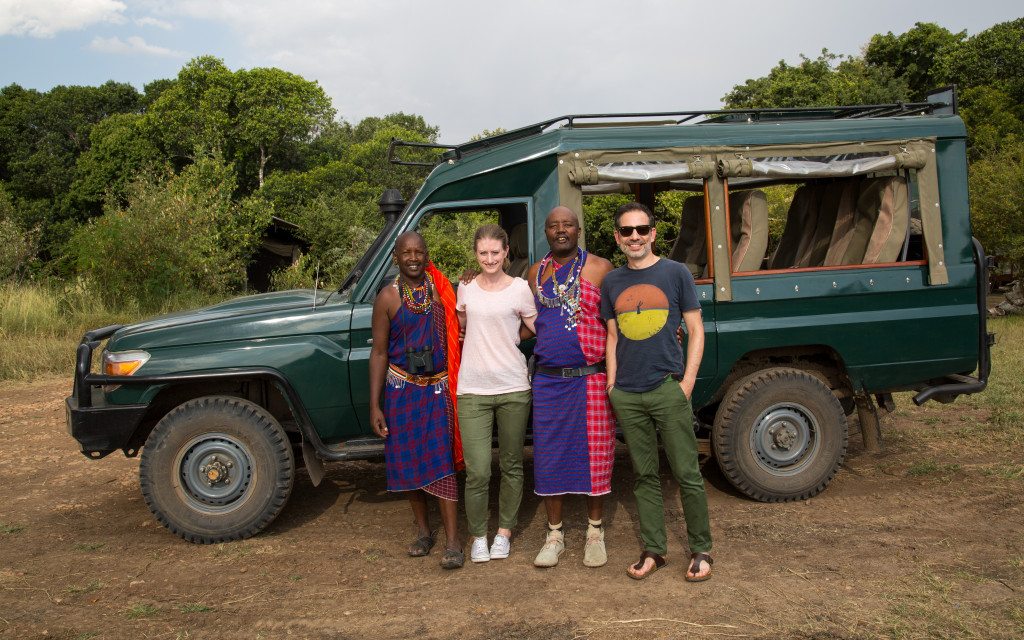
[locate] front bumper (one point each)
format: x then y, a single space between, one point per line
98 427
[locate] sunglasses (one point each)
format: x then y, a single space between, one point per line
642 229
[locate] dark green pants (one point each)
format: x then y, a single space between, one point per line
479 416
641 415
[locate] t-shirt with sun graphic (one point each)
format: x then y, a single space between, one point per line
647 306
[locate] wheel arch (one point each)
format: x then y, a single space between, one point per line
265 387
820 360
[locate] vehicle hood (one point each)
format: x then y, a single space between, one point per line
264 315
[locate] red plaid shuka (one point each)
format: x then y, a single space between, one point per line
447 296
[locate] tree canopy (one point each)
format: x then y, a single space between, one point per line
87 171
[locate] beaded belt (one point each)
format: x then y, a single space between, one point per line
577 372
418 380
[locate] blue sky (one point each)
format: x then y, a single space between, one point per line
464 65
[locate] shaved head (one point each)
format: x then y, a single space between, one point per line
560 210
562 230
410 236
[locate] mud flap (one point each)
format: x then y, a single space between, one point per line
313 464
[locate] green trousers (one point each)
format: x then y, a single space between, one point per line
641 415
478 416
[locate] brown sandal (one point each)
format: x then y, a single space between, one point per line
695 560
421 546
659 562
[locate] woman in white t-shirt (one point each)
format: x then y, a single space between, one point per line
494 389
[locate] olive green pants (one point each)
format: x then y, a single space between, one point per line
641 416
478 416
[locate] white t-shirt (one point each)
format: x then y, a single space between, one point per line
491 360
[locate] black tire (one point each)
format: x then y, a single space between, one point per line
780 434
216 469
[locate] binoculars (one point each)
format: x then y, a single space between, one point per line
420 362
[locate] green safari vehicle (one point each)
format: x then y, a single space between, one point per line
831 248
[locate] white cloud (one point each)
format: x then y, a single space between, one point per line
467 65
150 21
45 18
132 45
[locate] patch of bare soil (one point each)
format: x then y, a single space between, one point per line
922 540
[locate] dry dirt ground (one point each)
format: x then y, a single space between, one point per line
922 540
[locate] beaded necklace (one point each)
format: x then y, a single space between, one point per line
566 296
417 299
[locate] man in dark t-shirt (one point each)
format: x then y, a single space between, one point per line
650 383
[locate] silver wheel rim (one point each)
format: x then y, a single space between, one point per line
785 438
214 473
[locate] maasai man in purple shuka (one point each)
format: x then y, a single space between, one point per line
408 366
573 427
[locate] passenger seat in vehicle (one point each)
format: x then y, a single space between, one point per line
801 216
748 226
519 250
691 247
882 218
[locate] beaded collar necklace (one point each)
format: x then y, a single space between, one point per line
417 299
566 296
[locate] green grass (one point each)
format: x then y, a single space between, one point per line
92 585
40 325
929 605
89 547
10 529
923 468
929 467
141 611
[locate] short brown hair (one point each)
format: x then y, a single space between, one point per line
634 206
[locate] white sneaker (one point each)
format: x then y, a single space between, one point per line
478 552
553 547
594 553
500 547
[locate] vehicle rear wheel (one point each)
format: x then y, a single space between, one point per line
217 468
780 434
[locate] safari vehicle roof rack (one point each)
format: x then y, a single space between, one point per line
940 101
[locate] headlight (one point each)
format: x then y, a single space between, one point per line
123 363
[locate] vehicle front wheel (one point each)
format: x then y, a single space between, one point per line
780 434
217 468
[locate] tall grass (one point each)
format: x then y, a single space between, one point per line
41 324
1004 396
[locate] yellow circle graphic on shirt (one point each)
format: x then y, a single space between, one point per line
641 311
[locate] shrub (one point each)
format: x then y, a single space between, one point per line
176 234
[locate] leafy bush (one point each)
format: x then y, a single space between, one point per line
997 190
18 246
177 233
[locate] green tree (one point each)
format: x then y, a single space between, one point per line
827 80
17 248
177 234
276 111
997 194
193 116
120 150
914 55
992 58
992 118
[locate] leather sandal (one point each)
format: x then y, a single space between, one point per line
453 559
421 546
695 560
659 562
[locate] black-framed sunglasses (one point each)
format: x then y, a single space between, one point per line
642 229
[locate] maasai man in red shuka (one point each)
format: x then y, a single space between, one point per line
409 368
573 427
